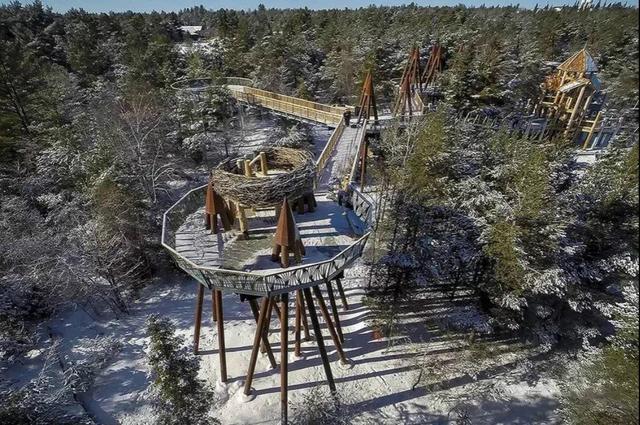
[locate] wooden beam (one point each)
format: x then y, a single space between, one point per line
329 322
221 346
303 313
343 298
298 324
265 346
262 318
198 318
284 353
334 310
213 307
316 329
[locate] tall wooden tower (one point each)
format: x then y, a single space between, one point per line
567 96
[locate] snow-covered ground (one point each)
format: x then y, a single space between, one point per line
421 375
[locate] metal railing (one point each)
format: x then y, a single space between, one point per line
362 207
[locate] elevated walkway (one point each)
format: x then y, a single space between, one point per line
289 106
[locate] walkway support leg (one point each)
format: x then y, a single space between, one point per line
298 324
265 308
327 319
334 310
265 346
221 346
316 329
284 334
303 314
213 306
343 298
198 319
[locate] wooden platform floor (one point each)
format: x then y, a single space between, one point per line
325 233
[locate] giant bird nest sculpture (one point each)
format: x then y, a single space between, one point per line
269 191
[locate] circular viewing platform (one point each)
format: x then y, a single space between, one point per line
333 237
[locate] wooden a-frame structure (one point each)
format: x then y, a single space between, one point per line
367 102
410 85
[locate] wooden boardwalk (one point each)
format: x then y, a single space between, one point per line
338 167
337 162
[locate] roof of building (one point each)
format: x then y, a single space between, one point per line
191 29
581 61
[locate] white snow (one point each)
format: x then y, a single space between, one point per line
384 385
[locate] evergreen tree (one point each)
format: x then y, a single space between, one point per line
182 398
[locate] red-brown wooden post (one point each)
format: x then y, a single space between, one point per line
284 366
198 318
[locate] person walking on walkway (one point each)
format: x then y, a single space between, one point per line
347 117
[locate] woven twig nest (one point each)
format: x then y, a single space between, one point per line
268 191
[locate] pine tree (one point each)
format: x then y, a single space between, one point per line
182 398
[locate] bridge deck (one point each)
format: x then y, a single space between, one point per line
325 233
339 164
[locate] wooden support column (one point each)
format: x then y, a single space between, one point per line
303 314
263 163
334 310
316 329
242 220
284 352
576 108
260 328
341 291
198 319
363 163
298 324
265 346
329 322
213 307
248 172
221 346
596 121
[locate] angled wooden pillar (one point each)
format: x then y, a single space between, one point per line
363 162
265 346
329 322
215 207
221 345
434 65
408 84
284 353
303 314
265 308
297 326
343 298
367 103
316 329
592 130
287 238
334 310
213 306
198 318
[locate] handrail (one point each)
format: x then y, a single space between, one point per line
271 102
329 147
363 136
295 100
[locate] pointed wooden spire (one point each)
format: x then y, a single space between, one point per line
287 238
409 83
367 100
214 206
434 65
